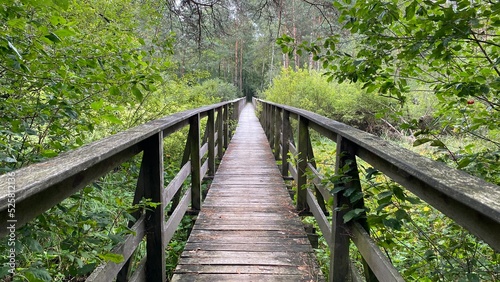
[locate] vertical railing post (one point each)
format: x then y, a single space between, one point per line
267 119
272 118
286 128
302 165
155 218
220 134
339 261
194 142
277 133
211 142
226 126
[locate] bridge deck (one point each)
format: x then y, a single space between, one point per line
247 229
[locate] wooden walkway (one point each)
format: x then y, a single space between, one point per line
247 229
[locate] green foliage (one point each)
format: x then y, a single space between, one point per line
66 69
420 241
449 47
216 90
310 90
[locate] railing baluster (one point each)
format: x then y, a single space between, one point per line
302 165
277 133
339 249
346 157
226 126
271 127
220 134
194 137
286 129
211 143
155 218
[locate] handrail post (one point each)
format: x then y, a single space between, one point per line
226 126
220 133
286 128
194 137
211 142
277 133
339 261
272 117
302 165
155 218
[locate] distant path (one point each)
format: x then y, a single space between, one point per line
247 229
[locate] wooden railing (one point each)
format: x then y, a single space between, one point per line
28 192
468 200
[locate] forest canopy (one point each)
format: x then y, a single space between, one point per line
422 73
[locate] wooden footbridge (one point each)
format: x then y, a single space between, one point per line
247 228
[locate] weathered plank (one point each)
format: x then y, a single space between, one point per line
248 228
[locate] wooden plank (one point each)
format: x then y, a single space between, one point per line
176 217
203 150
107 272
176 183
139 274
204 169
247 221
255 247
317 180
240 269
372 254
194 277
320 217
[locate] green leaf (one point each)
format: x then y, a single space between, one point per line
37 275
97 105
137 93
385 194
464 162
49 153
392 223
8 160
113 90
86 269
53 37
64 32
110 257
421 141
13 48
4 271
352 214
33 245
112 118
401 214
62 3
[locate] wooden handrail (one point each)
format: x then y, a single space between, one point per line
468 200
38 187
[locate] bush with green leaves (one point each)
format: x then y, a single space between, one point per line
311 91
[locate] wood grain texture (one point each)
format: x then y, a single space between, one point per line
248 229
